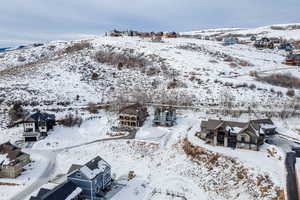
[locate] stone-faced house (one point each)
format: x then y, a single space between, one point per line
165 116
94 178
12 160
37 125
133 116
64 191
245 135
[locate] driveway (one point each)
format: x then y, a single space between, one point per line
291 179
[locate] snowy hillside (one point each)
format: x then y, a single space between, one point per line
286 31
204 71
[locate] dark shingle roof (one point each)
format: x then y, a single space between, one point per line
12 152
61 192
212 124
73 168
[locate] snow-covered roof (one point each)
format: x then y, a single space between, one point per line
4 160
74 194
94 167
267 126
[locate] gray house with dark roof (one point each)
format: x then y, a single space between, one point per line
245 135
94 178
37 125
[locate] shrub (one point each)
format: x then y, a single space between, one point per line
290 92
213 61
16 112
95 76
176 84
93 108
283 80
122 59
21 59
253 73
70 120
228 59
252 86
77 47
233 65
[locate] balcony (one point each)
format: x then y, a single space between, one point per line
30 134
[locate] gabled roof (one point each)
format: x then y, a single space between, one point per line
251 127
41 193
132 109
73 168
65 191
39 116
9 153
236 127
212 124
92 168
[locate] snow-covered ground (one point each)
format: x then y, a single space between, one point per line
62 137
162 165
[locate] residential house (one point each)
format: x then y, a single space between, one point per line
164 115
264 43
12 160
94 178
65 191
156 38
285 46
293 59
252 38
245 135
133 116
37 125
171 35
230 41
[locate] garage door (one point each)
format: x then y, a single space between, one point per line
30 139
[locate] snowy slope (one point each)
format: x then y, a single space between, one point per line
285 31
47 76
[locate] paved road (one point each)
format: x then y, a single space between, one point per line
51 155
43 178
291 179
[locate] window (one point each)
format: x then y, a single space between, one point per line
78 175
29 130
243 140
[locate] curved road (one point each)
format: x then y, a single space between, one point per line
51 155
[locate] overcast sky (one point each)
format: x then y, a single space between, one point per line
23 21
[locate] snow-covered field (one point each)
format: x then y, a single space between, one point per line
62 137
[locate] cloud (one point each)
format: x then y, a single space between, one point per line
33 20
